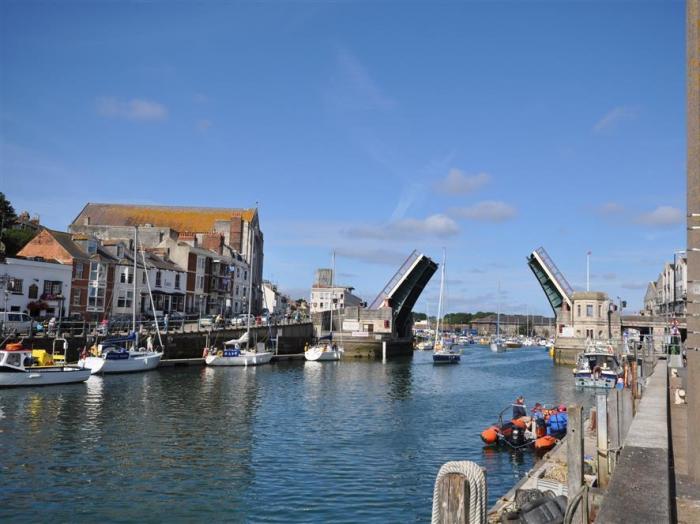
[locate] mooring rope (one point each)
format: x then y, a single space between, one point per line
477 489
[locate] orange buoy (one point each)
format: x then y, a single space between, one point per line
545 443
519 422
490 435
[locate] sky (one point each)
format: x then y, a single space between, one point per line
367 128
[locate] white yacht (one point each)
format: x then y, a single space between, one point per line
17 369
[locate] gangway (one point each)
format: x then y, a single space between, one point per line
553 282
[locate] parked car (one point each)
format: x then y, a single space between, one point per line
242 320
207 321
15 322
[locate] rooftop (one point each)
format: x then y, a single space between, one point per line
180 218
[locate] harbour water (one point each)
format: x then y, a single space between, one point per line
354 441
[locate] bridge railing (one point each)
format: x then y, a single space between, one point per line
405 267
552 268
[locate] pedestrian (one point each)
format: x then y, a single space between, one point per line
519 407
165 323
52 325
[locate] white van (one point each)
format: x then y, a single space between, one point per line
15 322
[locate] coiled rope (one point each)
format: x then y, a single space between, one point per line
477 490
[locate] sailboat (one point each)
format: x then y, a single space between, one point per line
325 349
443 354
122 355
497 344
232 354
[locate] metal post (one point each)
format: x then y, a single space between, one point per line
384 351
574 456
602 441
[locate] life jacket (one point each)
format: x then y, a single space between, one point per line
558 423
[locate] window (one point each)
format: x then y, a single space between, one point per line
200 263
578 310
98 271
15 285
125 299
126 277
600 311
33 291
245 275
245 291
96 298
200 282
177 281
589 312
52 288
238 271
76 297
91 247
157 278
79 270
143 277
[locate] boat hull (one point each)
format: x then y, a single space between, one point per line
587 380
446 358
496 348
316 354
44 377
253 359
137 361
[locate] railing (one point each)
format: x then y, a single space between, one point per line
554 271
81 328
384 293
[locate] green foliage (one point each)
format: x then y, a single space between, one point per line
16 239
419 316
7 212
465 318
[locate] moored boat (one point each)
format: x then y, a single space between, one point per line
111 356
17 369
445 351
597 366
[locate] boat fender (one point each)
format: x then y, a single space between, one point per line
219 353
519 422
490 435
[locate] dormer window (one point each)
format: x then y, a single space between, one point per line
92 246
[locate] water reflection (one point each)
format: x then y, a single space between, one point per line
213 443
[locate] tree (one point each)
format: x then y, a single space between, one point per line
13 239
7 213
419 316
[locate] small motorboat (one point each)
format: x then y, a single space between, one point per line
17 369
597 367
540 433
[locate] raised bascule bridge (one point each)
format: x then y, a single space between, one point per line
387 323
586 314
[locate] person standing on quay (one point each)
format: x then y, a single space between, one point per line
165 323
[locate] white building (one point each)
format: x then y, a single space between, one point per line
275 302
35 286
336 297
667 295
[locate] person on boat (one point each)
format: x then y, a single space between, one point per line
519 407
538 425
557 423
52 325
149 343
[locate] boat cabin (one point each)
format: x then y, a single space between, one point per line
15 359
601 361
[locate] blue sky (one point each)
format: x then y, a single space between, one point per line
371 128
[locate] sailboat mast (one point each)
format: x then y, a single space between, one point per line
332 291
498 311
250 281
133 300
442 287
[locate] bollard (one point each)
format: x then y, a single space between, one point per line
602 440
614 415
459 496
384 351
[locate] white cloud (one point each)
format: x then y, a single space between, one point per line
610 208
662 216
134 109
353 88
435 225
372 256
203 124
457 183
614 117
486 211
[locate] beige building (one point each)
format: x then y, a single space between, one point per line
593 316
